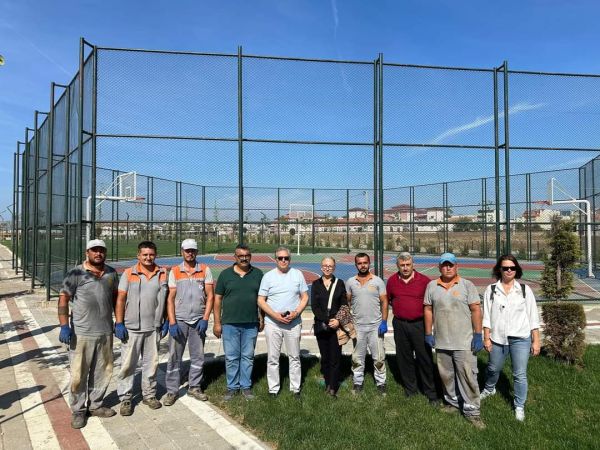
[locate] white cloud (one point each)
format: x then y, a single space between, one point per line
480 121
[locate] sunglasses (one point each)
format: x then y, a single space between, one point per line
507 268
243 256
283 258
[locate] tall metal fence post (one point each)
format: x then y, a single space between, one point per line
203 240
240 151
446 213
313 220
347 220
278 216
49 189
528 214
497 162
67 185
411 217
79 189
15 188
507 159
25 205
593 208
380 168
93 140
36 201
375 163
483 247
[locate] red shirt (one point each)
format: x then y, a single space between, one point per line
407 298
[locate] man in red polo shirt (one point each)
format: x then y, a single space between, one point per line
406 290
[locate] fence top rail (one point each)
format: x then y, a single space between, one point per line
555 74
336 61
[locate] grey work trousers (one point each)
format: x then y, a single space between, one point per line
91 364
458 371
176 348
144 344
371 340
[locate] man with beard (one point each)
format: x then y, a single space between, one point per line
89 290
406 290
139 313
237 320
189 306
369 303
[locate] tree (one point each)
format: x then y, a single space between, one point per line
564 254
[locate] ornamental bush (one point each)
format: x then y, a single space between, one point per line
564 338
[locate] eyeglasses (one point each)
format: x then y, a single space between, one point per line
327 266
507 268
248 256
283 258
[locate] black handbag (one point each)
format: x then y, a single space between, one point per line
321 327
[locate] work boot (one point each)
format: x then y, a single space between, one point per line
78 420
103 411
126 408
197 393
476 422
169 399
152 403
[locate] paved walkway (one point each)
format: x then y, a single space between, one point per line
34 381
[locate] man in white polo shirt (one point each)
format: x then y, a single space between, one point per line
282 296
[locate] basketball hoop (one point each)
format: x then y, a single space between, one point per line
541 202
138 202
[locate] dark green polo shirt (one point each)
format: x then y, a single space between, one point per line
239 295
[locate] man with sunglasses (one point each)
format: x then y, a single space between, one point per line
453 326
282 296
237 320
189 306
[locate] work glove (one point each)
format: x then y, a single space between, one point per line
174 331
65 334
121 332
477 342
201 327
430 340
164 329
382 328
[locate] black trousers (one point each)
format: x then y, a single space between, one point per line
412 355
331 354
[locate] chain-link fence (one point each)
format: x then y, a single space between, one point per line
326 155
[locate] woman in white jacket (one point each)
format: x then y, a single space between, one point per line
510 326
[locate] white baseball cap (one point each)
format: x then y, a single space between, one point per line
95 243
189 244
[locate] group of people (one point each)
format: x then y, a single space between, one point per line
151 302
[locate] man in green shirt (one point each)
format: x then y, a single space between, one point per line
237 319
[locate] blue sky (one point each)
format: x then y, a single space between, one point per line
39 41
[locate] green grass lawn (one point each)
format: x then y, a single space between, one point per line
562 411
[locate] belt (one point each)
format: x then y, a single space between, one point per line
420 319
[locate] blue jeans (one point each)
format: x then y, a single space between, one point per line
519 349
239 341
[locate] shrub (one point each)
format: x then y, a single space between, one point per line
563 331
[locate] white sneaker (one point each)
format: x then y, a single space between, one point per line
485 393
520 414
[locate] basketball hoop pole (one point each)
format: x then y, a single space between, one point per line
587 212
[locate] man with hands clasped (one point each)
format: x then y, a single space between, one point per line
283 295
452 311
190 302
369 303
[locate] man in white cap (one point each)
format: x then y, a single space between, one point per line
190 302
89 290
452 311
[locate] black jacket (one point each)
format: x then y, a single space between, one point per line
319 297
